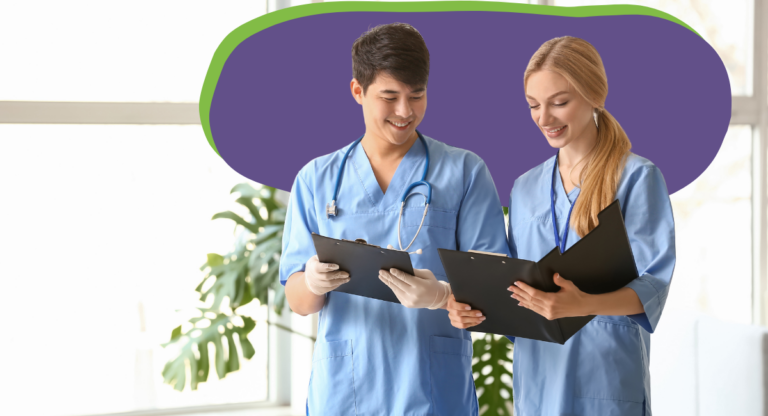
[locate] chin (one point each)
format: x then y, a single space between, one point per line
400 139
556 143
398 142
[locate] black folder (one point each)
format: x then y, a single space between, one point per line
362 261
601 262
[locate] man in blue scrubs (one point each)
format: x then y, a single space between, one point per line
374 357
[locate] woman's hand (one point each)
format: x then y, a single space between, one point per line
462 315
569 301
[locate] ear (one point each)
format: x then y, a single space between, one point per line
357 91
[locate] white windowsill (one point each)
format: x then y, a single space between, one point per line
235 409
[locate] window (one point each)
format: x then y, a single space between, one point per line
90 50
103 239
713 229
727 26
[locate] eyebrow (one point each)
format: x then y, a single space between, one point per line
551 96
417 90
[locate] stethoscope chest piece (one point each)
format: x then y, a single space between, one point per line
331 210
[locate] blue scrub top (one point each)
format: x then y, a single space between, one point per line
380 358
603 368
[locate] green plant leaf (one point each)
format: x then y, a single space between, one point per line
215 259
233 362
254 210
238 219
176 333
491 368
258 242
199 287
269 231
278 215
245 190
203 365
279 299
248 350
193 350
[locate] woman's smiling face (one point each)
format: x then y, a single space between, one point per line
561 113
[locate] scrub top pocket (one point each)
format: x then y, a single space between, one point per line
332 384
453 387
615 385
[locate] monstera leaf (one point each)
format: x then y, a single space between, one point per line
248 272
194 348
492 369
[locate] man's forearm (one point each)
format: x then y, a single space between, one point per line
300 299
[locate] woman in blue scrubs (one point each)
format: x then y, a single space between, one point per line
374 357
603 368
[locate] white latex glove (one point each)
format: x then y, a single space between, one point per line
420 291
321 278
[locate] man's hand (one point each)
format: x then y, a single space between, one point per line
569 301
420 291
321 278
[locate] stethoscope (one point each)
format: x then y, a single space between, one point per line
558 243
332 211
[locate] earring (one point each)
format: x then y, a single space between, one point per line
594 115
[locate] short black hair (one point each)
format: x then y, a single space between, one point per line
396 49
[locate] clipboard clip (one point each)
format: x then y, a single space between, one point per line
488 253
360 241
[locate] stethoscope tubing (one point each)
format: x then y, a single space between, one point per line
406 193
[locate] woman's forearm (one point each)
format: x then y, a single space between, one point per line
621 302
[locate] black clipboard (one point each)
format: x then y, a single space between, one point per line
362 261
601 262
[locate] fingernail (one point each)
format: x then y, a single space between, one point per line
517 284
479 314
510 289
467 308
483 318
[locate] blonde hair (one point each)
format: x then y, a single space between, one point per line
579 63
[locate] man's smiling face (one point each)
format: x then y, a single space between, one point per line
392 110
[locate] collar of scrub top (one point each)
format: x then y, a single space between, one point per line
332 211
558 243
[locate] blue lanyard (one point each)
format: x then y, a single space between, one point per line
558 243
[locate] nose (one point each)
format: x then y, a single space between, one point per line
545 116
403 108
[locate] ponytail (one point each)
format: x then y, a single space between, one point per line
578 61
600 177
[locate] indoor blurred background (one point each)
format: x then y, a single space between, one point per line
108 188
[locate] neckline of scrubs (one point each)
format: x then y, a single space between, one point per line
563 200
413 159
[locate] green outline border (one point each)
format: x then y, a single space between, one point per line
260 23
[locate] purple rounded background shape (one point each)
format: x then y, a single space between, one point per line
283 96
